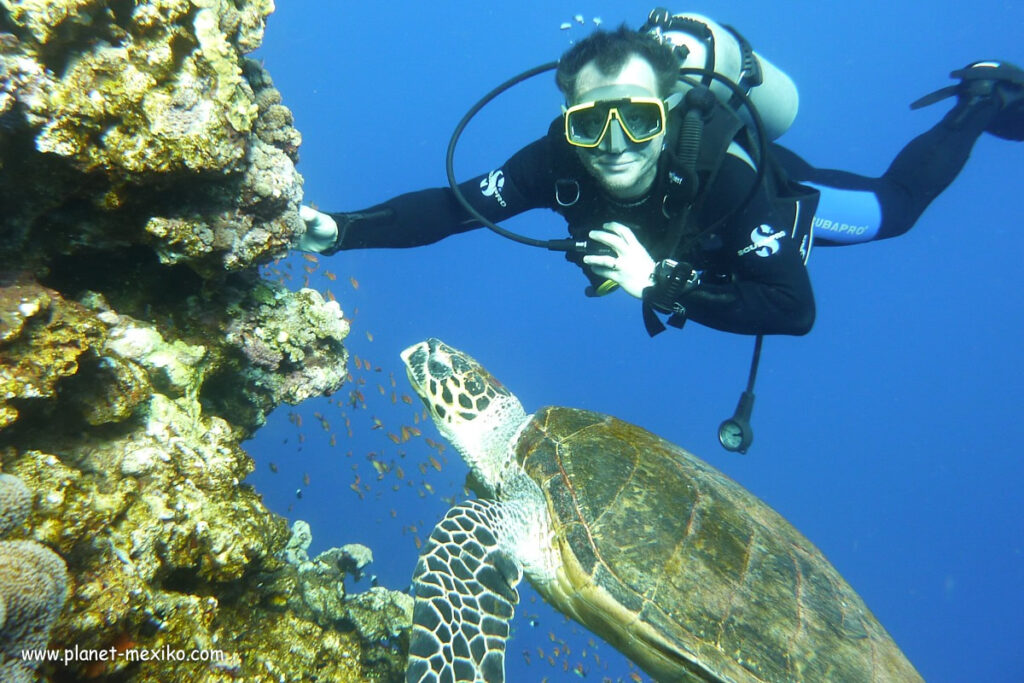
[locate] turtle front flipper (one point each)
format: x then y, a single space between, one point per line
465 586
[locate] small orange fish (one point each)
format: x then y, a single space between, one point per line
394 437
330 276
369 336
305 478
434 463
310 257
406 399
333 441
418 542
330 296
355 282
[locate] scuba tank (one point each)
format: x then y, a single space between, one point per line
702 43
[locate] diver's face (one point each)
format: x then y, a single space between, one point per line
624 168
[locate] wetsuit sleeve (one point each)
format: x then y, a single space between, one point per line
756 283
427 216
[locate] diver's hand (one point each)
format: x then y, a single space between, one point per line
631 267
321 230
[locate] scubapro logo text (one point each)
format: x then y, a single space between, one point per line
492 185
763 241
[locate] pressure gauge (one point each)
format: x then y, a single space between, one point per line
735 435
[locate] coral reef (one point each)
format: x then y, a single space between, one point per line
33 586
111 111
147 171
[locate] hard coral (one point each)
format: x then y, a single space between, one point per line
15 503
33 585
33 588
145 107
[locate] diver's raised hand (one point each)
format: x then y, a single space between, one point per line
632 268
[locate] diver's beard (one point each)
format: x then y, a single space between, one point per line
626 185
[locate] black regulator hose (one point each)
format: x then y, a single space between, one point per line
571 244
762 143
449 163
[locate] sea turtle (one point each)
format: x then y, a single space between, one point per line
677 566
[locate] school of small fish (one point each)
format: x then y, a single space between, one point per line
405 460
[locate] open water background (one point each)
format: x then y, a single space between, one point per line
890 435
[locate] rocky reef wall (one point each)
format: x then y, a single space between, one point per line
147 171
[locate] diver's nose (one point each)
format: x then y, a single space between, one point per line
614 141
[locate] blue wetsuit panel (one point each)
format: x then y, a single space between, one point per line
845 216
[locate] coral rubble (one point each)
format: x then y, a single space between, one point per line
147 171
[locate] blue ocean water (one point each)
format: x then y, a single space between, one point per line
890 435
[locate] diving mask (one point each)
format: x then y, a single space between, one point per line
642 119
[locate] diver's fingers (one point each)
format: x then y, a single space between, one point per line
596 261
607 273
627 235
610 239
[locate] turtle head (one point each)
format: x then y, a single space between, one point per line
472 409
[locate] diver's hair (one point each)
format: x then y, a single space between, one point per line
610 50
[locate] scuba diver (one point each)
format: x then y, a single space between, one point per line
671 188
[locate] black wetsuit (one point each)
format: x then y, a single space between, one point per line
753 276
754 280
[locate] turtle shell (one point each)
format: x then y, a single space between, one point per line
685 571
